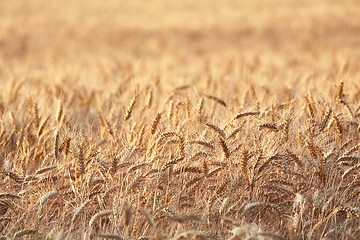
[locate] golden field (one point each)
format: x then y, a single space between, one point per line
179 119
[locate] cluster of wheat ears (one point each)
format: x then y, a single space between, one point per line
179 119
138 165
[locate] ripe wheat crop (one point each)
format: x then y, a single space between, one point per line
179 120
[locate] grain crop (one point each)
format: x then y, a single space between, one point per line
179 119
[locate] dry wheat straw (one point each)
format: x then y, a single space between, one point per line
245 114
340 91
205 167
224 148
59 111
200 109
325 120
214 171
294 157
187 107
314 150
351 159
35 115
273 236
348 108
171 110
193 181
171 162
110 236
81 161
140 136
338 127
155 123
107 125
233 133
353 149
243 164
182 146
127 214
267 163
165 135
283 182
13 121
270 126
47 196
134 182
310 106
24 232
149 217
136 167
187 169
216 99
149 98
350 171
224 206
99 215
186 218
8 195
181 88
79 210
114 165
217 130
56 143
65 146
252 205
60 235
203 143
42 126
191 234
130 108
199 155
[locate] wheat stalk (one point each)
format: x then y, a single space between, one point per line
203 143
79 210
35 115
47 196
127 214
59 111
340 91
56 143
199 110
130 108
110 236
338 127
270 126
24 232
245 114
325 119
217 130
42 126
216 99
243 164
310 106
155 123
224 148
99 215
149 218
149 98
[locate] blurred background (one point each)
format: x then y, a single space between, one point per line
93 39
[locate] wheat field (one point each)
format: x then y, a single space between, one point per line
179 119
